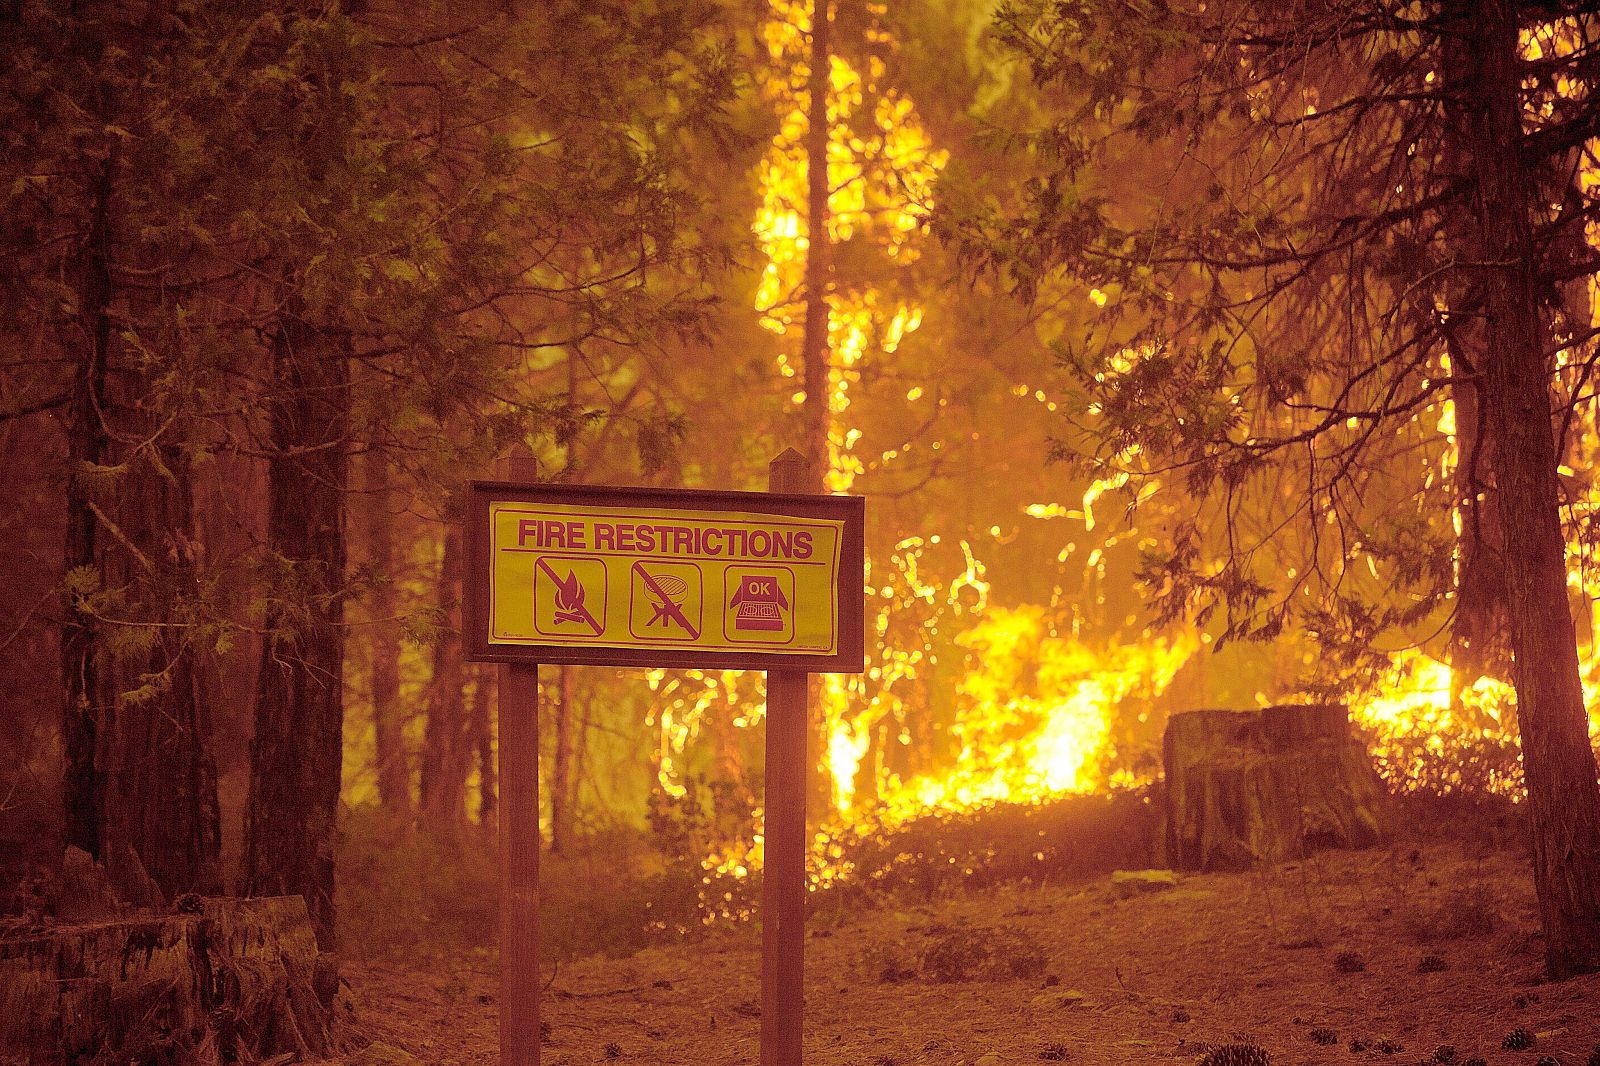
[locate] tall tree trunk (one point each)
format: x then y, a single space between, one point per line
82 693
296 753
161 771
446 757
1558 762
815 355
814 351
394 778
561 768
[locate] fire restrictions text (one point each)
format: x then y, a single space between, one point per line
731 542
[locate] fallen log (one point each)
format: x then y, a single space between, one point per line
1244 787
238 980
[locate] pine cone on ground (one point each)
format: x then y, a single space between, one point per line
1054 1053
1444 1053
1325 1037
1518 1039
1431 964
1349 962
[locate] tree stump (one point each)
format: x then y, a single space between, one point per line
239 980
1244 787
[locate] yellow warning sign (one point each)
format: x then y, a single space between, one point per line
589 576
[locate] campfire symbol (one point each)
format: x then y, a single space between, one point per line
569 597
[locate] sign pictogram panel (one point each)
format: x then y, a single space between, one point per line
667 601
759 601
569 595
664 577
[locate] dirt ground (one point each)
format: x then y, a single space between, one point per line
1080 973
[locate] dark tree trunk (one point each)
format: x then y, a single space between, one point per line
296 753
446 755
161 787
394 779
814 349
815 354
82 694
1558 762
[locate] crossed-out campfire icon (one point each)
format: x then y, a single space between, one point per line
569 601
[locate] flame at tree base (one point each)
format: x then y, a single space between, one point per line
1036 712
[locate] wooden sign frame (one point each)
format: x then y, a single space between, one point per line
849 594
783 890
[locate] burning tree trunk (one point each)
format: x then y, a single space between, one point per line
1244 787
1558 763
296 755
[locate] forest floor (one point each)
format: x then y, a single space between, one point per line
1085 973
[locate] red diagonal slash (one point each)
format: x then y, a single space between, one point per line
580 608
664 602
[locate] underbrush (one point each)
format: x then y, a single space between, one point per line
1067 838
407 892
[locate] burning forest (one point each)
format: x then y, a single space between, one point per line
830 531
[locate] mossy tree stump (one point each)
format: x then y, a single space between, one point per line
241 980
1244 787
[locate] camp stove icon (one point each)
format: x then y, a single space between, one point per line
759 604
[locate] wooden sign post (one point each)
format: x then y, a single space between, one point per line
673 578
518 778
783 876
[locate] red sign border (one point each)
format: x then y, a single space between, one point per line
851 598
